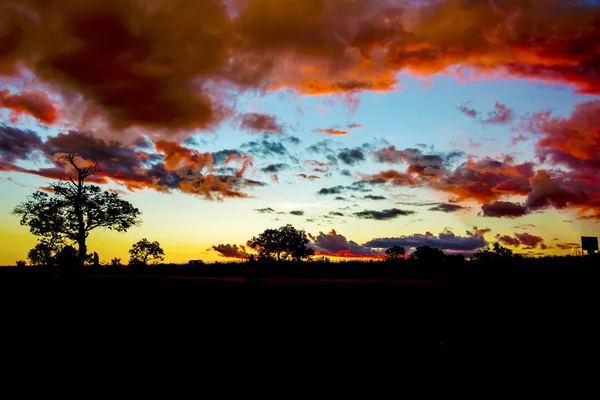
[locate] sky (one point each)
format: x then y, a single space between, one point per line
366 123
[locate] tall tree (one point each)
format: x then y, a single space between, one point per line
282 244
73 209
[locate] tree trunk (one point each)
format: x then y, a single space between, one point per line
81 254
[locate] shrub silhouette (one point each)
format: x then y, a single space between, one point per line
43 253
284 243
74 209
143 252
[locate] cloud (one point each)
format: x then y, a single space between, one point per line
331 131
206 53
446 240
466 110
486 180
231 251
351 156
171 167
526 239
509 241
419 164
503 209
336 213
266 210
297 212
447 208
373 197
309 177
35 103
219 157
500 116
383 215
391 177
358 186
265 148
260 123
275 168
333 244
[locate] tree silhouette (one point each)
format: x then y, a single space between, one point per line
394 253
143 252
284 243
429 255
497 252
74 209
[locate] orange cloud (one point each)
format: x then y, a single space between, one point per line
331 131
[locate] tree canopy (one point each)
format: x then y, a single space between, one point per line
284 243
144 251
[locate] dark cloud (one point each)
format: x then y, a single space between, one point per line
17 144
266 210
509 241
260 123
351 156
345 172
231 251
219 157
265 148
335 245
529 240
447 208
297 212
383 215
503 209
336 213
446 240
354 187
321 147
526 239
275 168
373 197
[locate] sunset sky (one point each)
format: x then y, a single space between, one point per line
367 123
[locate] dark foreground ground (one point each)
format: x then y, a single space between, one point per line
517 335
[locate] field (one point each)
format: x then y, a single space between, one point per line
306 332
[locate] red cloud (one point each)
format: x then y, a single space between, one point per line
35 103
175 64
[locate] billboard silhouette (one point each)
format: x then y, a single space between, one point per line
589 244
